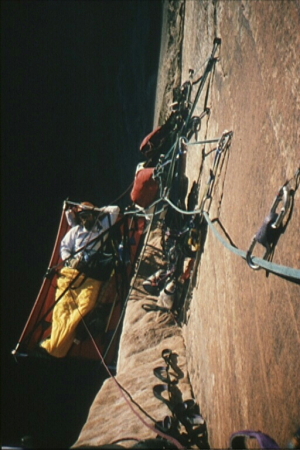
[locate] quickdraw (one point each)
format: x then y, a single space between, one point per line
274 222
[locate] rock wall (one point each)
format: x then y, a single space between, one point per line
243 332
239 350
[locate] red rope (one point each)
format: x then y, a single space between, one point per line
160 433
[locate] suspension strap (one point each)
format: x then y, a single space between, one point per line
283 195
283 271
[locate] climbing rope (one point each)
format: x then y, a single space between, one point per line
123 391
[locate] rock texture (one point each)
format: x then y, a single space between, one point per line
240 349
243 332
169 75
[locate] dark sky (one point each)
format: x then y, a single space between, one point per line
77 94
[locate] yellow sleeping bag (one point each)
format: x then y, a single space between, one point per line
68 312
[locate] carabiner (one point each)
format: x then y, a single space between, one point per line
272 222
249 254
284 197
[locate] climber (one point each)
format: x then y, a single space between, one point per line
80 280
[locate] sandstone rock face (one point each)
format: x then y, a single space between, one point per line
242 336
169 74
238 350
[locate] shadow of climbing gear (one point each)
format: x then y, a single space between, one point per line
184 413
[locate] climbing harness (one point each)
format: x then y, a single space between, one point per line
273 223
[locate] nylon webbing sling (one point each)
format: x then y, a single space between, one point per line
283 271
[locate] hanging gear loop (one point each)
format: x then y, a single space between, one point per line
211 62
176 149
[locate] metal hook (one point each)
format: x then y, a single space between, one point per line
284 197
249 254
273 221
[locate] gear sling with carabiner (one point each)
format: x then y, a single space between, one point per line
273 223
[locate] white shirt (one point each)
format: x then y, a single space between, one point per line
79 237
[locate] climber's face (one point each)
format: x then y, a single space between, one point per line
87 219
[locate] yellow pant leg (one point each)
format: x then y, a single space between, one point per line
69 310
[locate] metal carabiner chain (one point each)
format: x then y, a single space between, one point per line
274 220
